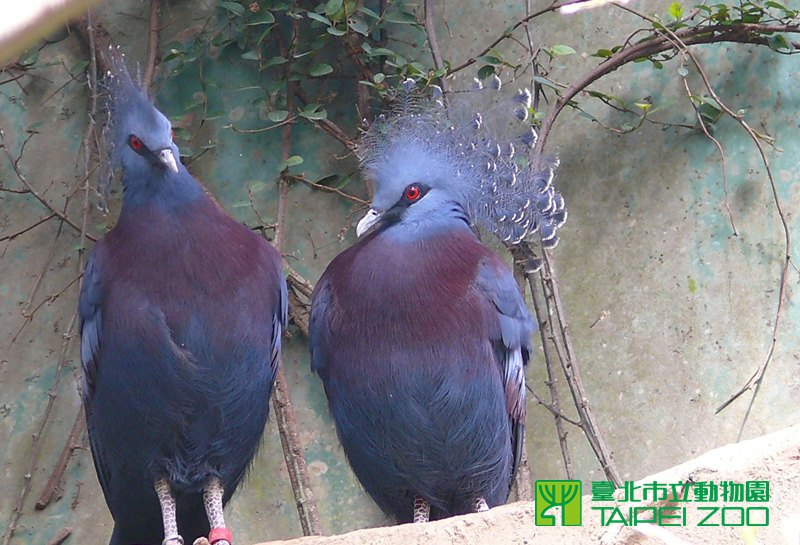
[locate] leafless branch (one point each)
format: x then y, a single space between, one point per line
152 44
721 151
73 442
543 320
29 189
60 537
678 40
321 187
430 30
36 443
24 230
735 33
550 314
293 451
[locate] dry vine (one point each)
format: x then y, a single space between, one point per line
290 439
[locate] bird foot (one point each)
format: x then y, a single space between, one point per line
201 541
173 540
481 505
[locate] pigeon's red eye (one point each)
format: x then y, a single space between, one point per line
135 143
413 192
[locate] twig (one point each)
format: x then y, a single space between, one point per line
21 177
98 40
550 409
298 282
287 423
26 311
352 44
61 536
298 312
507 34
24 230
736 33
13 190
552 314
234 128
542 318
723 160
571 369
152 44
430 30
326 125
73 442
88 139
321 187
677 40
36 445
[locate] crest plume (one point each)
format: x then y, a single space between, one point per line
503 188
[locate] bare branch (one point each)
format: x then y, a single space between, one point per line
152 44
36 442
73 442
321 187
24 230
61 536
736 33
29 189
430 30
507 34
293 451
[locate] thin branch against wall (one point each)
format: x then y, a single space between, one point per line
507 34
36 443
543 320
436 53
29 189
61 536
152 44
315 185
91 150
738 33
293 451
73 442
678 41
30 227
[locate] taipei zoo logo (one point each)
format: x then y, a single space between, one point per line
558 500
693 503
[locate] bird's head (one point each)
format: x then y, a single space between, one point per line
140 136
416 184
433 166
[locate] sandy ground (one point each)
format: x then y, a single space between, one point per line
774 458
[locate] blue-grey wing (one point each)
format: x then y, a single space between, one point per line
319 324
91 323
510 333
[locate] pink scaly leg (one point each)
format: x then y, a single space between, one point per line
212 498
422 509
168 513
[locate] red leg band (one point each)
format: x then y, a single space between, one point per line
218 534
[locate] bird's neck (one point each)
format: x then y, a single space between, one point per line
163 189
424 229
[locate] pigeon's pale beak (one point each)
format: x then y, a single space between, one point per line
168 159
370 219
